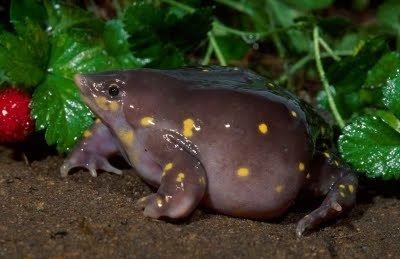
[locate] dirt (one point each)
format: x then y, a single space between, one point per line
45 216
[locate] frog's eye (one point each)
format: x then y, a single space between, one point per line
113 90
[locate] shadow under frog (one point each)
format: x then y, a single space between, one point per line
215 137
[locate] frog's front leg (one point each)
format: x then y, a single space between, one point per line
182 187
92 151
337 183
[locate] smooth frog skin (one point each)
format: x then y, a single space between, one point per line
202 137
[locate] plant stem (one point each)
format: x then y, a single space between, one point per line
181 6
275 37
328 49
218 52
324 81
303 61
206 59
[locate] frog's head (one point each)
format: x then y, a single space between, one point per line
104 93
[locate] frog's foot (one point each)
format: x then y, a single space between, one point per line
339 200
91 162
157 206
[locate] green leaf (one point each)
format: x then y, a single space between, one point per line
389 118
285 17
391 95
189 30
233 48
162 36
372 146
24 55
57 107
64 18
334 26
389 14
20 10
385 68
143 16
163 56
348 77
310 4
348 42
117 44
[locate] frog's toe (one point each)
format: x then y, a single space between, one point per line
153 206
106 166
142 202
94 163
64 169
313 219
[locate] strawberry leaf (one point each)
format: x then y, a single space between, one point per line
64 18
389 13
117 44
71 55
391 95
23 56
389 118
372 146
384 69
57 107
20 9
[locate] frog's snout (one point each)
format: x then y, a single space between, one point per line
78 79
82 82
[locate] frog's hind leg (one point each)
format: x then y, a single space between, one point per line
337 183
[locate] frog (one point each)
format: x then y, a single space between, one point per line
222 138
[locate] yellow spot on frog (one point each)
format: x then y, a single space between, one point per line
341 186
180 177
102 102
105 104
351 188
147 121
168 167
113 105
159 202
87 134
188 126
242 172
279 188
342 194
301 167
293 113
263 128
327 155
126 136
202 180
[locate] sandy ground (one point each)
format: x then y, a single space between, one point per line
45 216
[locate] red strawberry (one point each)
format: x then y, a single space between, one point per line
15 115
